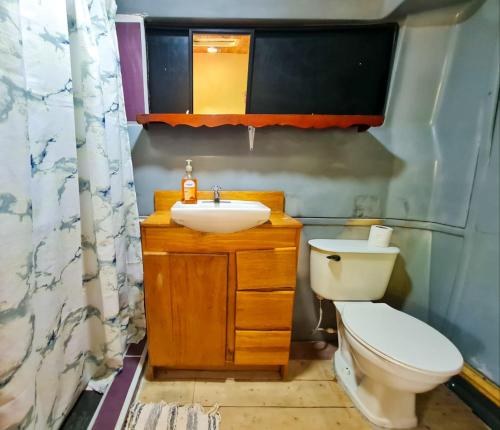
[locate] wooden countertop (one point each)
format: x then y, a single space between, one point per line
277 219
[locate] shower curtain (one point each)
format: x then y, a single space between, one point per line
70 257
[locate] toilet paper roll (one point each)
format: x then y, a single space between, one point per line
380 236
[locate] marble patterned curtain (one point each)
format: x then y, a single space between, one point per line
70 257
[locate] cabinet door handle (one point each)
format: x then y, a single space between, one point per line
334 257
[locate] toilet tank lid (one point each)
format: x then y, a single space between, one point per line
353 246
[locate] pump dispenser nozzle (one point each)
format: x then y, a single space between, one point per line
189 168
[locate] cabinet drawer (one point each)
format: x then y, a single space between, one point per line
264 310
262 347
182 239
268 269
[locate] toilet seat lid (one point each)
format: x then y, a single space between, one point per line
401 337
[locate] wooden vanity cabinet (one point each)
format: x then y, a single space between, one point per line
219 301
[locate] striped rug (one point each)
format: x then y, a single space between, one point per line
165 416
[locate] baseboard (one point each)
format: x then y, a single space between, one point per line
479 393
482 384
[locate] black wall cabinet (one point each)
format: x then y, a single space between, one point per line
337 70
342 70
168 70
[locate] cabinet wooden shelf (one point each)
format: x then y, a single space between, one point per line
363 122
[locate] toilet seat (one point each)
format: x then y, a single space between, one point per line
400 338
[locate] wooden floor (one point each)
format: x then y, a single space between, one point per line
309 399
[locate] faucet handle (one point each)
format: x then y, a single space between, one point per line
216 188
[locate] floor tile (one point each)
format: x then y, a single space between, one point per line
311 370
168 391
309 399
274 393
237 418
441 409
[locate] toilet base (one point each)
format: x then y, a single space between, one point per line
380 404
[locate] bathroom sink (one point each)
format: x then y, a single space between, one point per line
227 216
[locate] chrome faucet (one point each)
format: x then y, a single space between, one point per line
216 189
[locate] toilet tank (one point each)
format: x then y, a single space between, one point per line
350 269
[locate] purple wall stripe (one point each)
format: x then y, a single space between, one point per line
114 400
129 45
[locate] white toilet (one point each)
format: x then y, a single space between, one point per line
385 356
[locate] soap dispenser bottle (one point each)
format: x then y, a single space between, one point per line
189 185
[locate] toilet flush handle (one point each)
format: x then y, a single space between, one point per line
334 257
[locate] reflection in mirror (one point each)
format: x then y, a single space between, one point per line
220 73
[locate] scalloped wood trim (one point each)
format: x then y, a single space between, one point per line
263 120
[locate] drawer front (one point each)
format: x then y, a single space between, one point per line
267 269
264 310
262 347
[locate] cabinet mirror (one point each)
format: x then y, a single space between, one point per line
220 64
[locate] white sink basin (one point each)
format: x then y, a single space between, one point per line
228 216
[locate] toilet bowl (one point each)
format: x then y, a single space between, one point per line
385 356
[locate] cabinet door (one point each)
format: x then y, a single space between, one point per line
168 68
342 70
186 298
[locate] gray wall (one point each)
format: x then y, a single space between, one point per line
465 274
429 172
